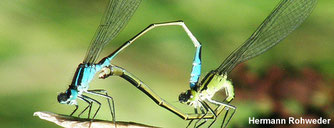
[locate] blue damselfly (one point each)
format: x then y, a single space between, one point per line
115 18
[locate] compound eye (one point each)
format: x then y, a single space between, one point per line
63 98
184 96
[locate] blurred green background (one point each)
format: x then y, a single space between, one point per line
42 42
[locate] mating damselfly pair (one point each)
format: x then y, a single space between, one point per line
285 18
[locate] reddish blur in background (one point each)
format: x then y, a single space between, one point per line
290 92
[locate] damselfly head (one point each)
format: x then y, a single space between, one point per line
63 98
185 96
67 98
190 97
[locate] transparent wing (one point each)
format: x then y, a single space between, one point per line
285 18
115 18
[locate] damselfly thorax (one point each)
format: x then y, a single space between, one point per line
205 90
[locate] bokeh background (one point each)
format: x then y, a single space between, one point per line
42 42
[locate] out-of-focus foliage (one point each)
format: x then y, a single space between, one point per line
282 93
42 42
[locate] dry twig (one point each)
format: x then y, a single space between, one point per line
74 122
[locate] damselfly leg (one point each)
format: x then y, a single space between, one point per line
109 98
91 101
76 108
200 119
90 104
205 120
223 125
208 109
229 118
196 112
